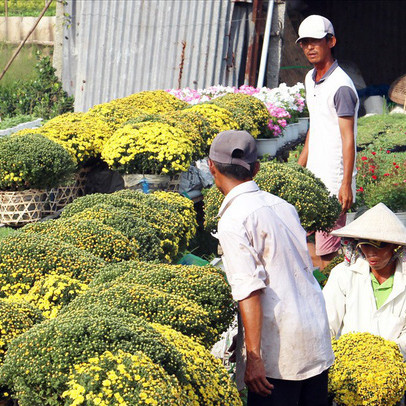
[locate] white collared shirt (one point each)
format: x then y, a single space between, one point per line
351 305
264 247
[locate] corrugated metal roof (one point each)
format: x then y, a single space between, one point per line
114 48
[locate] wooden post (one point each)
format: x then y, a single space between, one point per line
6 8
254 42
25 39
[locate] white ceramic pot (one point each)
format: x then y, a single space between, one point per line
267 146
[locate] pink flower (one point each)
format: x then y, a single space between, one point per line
373 153
364 158
374 177
386 174
360 189
387 151
397 166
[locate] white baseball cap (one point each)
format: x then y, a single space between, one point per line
315 26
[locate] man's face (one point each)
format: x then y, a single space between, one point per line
317 50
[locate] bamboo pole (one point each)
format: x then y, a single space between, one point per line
25 39
6 8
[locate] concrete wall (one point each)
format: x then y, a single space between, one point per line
14 30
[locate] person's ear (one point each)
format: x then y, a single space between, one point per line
332 42
212 167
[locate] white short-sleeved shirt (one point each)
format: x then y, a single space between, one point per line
327 100
264 247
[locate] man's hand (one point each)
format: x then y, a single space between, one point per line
345 197
232 350
255 376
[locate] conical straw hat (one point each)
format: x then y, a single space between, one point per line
378 223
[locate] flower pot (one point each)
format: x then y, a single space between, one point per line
267 146
291 132
21 207
146 183
303 125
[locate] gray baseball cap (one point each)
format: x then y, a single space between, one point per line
226 144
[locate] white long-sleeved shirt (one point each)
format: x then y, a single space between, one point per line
264 247
351 305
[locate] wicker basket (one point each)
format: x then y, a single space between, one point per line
57 198
21 207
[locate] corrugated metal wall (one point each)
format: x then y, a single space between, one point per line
113 48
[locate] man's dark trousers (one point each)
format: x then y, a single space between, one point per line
309 392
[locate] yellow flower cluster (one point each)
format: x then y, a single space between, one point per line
89 235
207 286
155 148
16 317
122 379
51 293
166 219
37 364
249 112
368 370
154 305
152 102
25 259
220 119
206 374
184 208
82 135
140 233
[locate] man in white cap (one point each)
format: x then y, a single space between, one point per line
330 146
283 345
367 292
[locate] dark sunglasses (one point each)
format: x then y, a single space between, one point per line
373 243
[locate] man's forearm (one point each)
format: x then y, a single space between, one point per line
346 125
305 151
251 315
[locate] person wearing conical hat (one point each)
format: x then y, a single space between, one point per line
367 292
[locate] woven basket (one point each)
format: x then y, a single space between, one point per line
22 207
397 91
57 198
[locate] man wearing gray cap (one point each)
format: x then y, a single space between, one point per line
283 345
332 101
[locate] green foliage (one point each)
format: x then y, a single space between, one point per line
14 121
327 270
136 229
51 293
33 162
16 317
38 363
249 112
153 305
175 225
6 231
27 8
89 235
41 96
316 208
25 259
125 379
207 375
381 178
382 131
207 286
